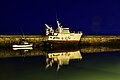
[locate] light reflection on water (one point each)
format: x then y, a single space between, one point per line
89 63
62 58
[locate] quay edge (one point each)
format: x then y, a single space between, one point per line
7 40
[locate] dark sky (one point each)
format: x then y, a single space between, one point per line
89 16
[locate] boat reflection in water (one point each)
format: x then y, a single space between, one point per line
53 56
62 58
97 63
6 53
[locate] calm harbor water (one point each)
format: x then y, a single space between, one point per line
60 65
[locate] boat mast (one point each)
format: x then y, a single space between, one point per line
23 35
49 30
59 27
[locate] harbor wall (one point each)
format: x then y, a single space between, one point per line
8 40
101 40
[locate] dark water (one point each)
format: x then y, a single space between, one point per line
92 66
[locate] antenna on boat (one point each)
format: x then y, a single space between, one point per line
58 24
22 33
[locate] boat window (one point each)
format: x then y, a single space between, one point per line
65 30
56 38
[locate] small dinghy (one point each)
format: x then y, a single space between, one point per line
22 45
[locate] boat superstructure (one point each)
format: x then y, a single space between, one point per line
61 34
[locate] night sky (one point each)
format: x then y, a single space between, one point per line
89 16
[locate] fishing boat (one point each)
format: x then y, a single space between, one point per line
22 45
61 34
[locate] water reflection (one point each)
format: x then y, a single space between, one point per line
6 52
62 58
40 64
98 49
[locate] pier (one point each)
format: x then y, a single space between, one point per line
8 40
108 40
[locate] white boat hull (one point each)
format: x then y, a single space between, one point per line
22 46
